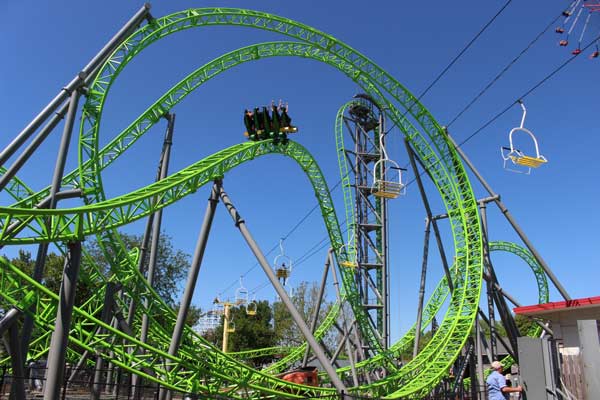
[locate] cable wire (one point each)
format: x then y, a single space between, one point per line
504 70
464 49
287 235
528 92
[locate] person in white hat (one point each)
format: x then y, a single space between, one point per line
496 384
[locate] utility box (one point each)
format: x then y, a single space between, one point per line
537 366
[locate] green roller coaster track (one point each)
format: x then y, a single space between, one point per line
199 367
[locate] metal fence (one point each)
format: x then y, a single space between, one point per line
116 385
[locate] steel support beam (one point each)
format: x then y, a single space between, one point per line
412 157
192 278
10 333
478 348
111 289
315 316
60 337
345 330
157 221
76 83
488 284
59 170
317 350
422 288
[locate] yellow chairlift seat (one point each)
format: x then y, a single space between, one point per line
251 308
515 155
231 327
282 272
528 161
387 189
383 186
348 264
282 264
241 294
349 251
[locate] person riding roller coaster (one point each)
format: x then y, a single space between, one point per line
261 126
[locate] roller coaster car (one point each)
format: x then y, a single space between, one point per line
305 376
260 125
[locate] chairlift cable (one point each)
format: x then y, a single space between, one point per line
505 69
527 93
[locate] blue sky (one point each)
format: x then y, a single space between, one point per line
46 43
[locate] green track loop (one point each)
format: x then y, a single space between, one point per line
417 377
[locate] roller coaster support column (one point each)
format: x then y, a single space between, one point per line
385 254
489 284
478 352
345 330
412 157
186 300
422 288
164 170
58 344
146 239
35 143
111 289
315 316
317 350
77 82
8 323
512 221
59 170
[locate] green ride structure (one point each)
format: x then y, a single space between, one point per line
126 326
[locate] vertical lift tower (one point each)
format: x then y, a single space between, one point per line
365 123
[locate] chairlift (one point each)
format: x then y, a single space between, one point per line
347 254
231 327
387 176
251 308
573 15
241 294
282 271
518 157
392 186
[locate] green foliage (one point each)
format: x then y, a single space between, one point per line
524 324
171 265
407 354
251 331
305 299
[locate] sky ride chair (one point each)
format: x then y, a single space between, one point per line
516 156
251 307
387 176
348 256
241 294
230 326
282 271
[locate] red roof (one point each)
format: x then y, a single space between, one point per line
537 309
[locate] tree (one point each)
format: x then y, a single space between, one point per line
304 298
171 265
524 324
251 331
